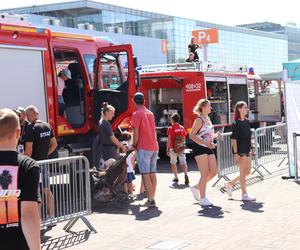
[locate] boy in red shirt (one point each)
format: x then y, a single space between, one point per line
175 147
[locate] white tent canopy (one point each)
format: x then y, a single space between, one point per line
276 76
292 91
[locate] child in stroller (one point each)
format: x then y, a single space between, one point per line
108 185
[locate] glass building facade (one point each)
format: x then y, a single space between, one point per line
262 50
292 31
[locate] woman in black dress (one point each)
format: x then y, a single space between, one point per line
109 143
241 146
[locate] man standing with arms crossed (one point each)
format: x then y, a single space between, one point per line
39 144
19 194
145 141
23 124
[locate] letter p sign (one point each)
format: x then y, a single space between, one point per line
201 35
206 36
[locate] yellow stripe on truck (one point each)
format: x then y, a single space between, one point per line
15 28
72 36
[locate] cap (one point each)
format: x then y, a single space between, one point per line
65 72
139 98
20 110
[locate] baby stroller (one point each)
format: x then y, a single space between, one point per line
113 178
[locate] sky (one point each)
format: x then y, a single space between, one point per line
227 12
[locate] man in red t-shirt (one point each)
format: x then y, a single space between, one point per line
177 134
145 141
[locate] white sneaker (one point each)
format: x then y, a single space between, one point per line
205 202
228 189
247 197
195 192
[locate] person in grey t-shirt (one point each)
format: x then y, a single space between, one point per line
109 143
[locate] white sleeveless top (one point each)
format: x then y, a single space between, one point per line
130 168
206 133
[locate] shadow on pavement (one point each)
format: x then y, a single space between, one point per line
148 213
214 212
139 211
67 241
178 186
252 206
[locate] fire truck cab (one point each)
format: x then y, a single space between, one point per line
176 88
31 61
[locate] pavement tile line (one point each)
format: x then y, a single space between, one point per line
168 245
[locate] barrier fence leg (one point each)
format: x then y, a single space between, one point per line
72 222
88 224
224 177
259 172
281 162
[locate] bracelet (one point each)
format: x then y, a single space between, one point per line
235 153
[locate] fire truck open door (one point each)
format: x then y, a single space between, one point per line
115 81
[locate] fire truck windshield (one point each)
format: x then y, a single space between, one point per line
113 71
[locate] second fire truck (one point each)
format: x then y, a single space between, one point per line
176 88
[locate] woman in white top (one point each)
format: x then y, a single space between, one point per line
203 135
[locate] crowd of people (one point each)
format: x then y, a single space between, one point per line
25 139
203 138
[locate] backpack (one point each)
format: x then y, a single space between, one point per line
179 144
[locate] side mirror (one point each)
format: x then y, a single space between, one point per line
135 61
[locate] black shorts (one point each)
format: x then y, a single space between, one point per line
201 150
244 154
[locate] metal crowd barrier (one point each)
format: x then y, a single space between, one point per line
225 158
271 146
67 181
295 153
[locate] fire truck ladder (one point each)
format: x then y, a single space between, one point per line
194 66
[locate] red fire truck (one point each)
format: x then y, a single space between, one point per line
176 88
31 59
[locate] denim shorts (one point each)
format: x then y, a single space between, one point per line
130 177
147 161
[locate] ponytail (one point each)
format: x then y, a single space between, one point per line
106 108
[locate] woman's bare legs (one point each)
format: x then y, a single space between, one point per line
202 163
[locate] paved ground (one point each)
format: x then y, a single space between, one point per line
180 223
